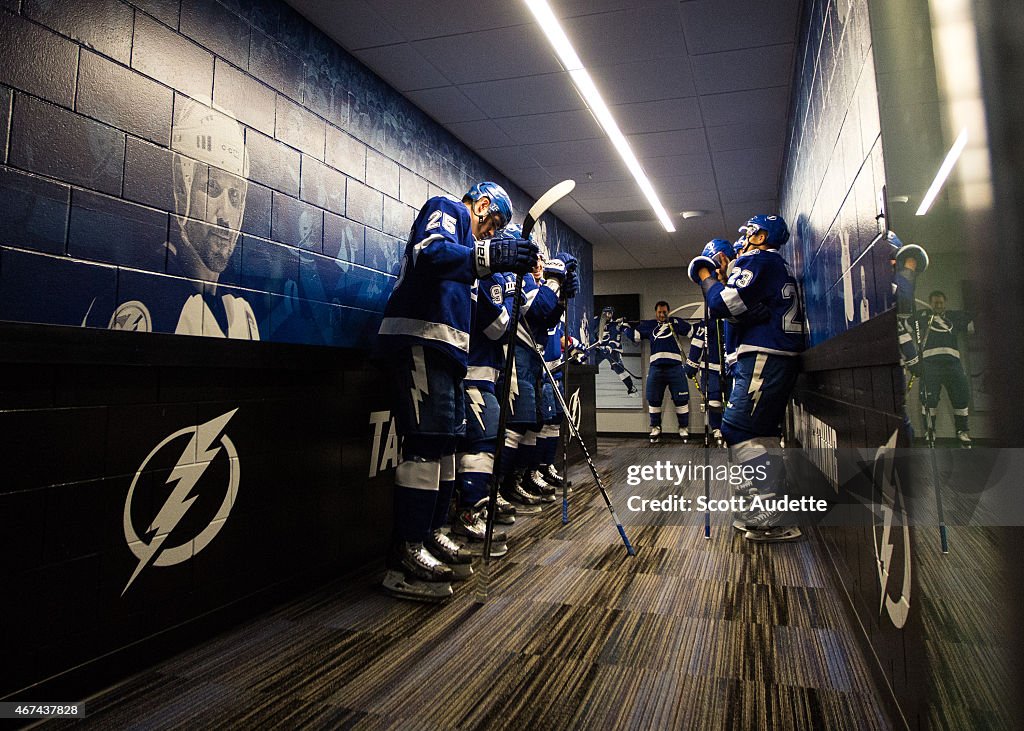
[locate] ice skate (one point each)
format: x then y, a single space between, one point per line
655 434
456 557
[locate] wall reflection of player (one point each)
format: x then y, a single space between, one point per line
609 336
299 309
209 169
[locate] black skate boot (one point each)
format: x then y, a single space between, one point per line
413 573
512 489
457 558
471 524
534 484
550 475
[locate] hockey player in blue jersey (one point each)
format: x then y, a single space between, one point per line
609 346
541 309
424 337
710 378
710 336
545 328
761 296
939 331
492 316
666 366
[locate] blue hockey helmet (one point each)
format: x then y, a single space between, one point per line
501 204
717 246
774 226
609 309
893 239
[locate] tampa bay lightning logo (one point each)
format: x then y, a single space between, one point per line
207 448
664 330
892 537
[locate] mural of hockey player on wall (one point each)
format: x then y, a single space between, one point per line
619 378
209 177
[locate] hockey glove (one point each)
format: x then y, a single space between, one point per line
571 262
554 269
698 263
571 285
720 251
505 254
912 251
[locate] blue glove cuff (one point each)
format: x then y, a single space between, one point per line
698 263
915 251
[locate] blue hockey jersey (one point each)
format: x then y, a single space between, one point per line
541 308
662 336
610 335
431 303
700 340
940 334
761 276
553 348
491 316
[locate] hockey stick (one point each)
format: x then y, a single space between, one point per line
586 453
929 421
552 196
707 426
564 436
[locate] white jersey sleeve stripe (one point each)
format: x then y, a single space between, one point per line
426 330
733 301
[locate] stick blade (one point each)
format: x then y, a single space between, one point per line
554 194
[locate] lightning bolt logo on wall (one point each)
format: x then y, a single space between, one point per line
206 442
888 541
574 409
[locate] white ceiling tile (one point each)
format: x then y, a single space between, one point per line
446 104
696 165
402 66
713 25
734 166
641 81
658 116
657 144
739 213
623 36
751 68
418 20
352 23
771 104
497 53
525 95
480 134
746 194
746 134
572 152
578 124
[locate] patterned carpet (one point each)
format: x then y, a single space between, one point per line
692 634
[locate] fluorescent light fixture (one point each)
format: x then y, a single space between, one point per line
692 214
567 55
944 170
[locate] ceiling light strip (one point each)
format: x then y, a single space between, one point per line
944 170
571 61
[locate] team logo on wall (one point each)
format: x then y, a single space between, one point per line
182 494
131 316
892 537
574 409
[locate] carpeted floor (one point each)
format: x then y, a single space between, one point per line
692 633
